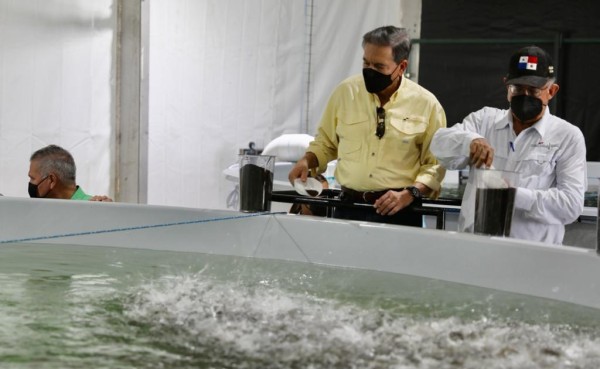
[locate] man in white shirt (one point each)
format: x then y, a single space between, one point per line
548 152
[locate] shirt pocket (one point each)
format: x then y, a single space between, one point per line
351 130
538 163
407 132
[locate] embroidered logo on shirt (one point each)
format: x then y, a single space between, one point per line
542 145
528 62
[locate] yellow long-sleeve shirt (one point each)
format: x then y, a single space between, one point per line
400 158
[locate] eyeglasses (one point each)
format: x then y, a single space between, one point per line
517 90
380 122
43 179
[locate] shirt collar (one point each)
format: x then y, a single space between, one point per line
505 121
397 92
540 126
394 95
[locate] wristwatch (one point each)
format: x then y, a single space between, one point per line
414 192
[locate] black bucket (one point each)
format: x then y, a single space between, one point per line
494 201
256 182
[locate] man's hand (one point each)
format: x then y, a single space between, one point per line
300 170
392 202
101 198
481 153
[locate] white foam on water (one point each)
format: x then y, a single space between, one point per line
70 307
237 325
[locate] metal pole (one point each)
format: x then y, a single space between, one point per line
132 101
504 41
556 103
598 222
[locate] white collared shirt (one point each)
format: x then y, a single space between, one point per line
550 158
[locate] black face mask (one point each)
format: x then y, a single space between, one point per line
526 107
376 81
33 189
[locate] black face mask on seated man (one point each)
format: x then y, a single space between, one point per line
33 191
526 107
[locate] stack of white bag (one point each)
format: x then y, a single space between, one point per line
288 147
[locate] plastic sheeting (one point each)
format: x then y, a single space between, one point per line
224 73
56 70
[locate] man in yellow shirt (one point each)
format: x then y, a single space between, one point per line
379 126
52 175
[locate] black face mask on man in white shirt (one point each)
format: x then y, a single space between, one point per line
526 107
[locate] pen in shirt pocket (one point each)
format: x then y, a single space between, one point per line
512 146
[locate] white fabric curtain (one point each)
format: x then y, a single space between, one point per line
56 87
227 72
222 73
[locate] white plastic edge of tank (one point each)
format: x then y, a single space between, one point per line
557 272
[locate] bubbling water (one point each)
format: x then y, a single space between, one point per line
230 324
69 306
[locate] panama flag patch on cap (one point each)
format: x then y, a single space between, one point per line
528 62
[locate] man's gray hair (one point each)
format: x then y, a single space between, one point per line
392 36
55 159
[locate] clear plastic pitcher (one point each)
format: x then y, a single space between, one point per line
256 182
494 201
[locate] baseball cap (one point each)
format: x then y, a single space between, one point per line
531 66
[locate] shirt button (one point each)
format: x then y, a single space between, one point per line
372 154
370 176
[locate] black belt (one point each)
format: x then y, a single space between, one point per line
366 197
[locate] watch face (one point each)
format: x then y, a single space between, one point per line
415 192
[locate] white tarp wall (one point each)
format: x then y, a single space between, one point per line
222 73
56 87
227 72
